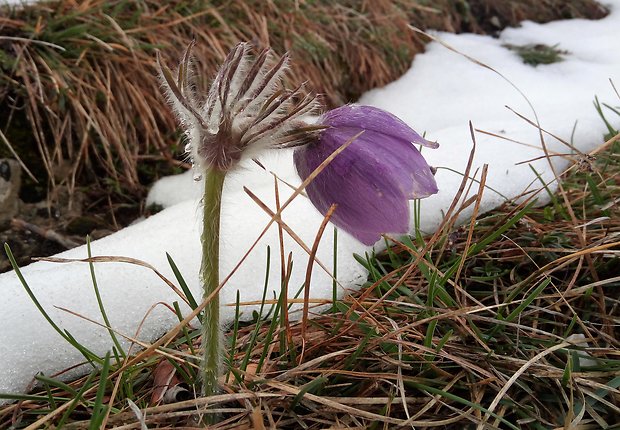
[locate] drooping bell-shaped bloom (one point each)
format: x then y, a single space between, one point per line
372 179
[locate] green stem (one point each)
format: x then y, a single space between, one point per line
209 276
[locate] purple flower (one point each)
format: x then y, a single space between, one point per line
372 180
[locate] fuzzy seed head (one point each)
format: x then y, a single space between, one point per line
246 109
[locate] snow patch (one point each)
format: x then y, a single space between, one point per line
440 94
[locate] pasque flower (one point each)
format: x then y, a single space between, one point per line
247 109
373 178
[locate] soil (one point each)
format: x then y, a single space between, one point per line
61 222
42 229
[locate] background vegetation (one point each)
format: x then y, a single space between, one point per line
79 94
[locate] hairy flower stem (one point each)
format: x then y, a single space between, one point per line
209 276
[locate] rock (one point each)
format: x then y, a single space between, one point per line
10 181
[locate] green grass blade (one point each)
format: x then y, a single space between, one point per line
177 274
259 319
102 310
77 398
461 400
99 408
56 384
311 387
89 355
28 397
496 233
233 340
526 302
186 335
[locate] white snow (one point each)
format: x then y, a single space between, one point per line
16 2
440 94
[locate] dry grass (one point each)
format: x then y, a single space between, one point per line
509 322
81 101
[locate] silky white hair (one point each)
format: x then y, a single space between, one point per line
245 111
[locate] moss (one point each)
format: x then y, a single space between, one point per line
537 54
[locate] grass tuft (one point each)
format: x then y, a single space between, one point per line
537 54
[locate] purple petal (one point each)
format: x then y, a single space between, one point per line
398 158
374 119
